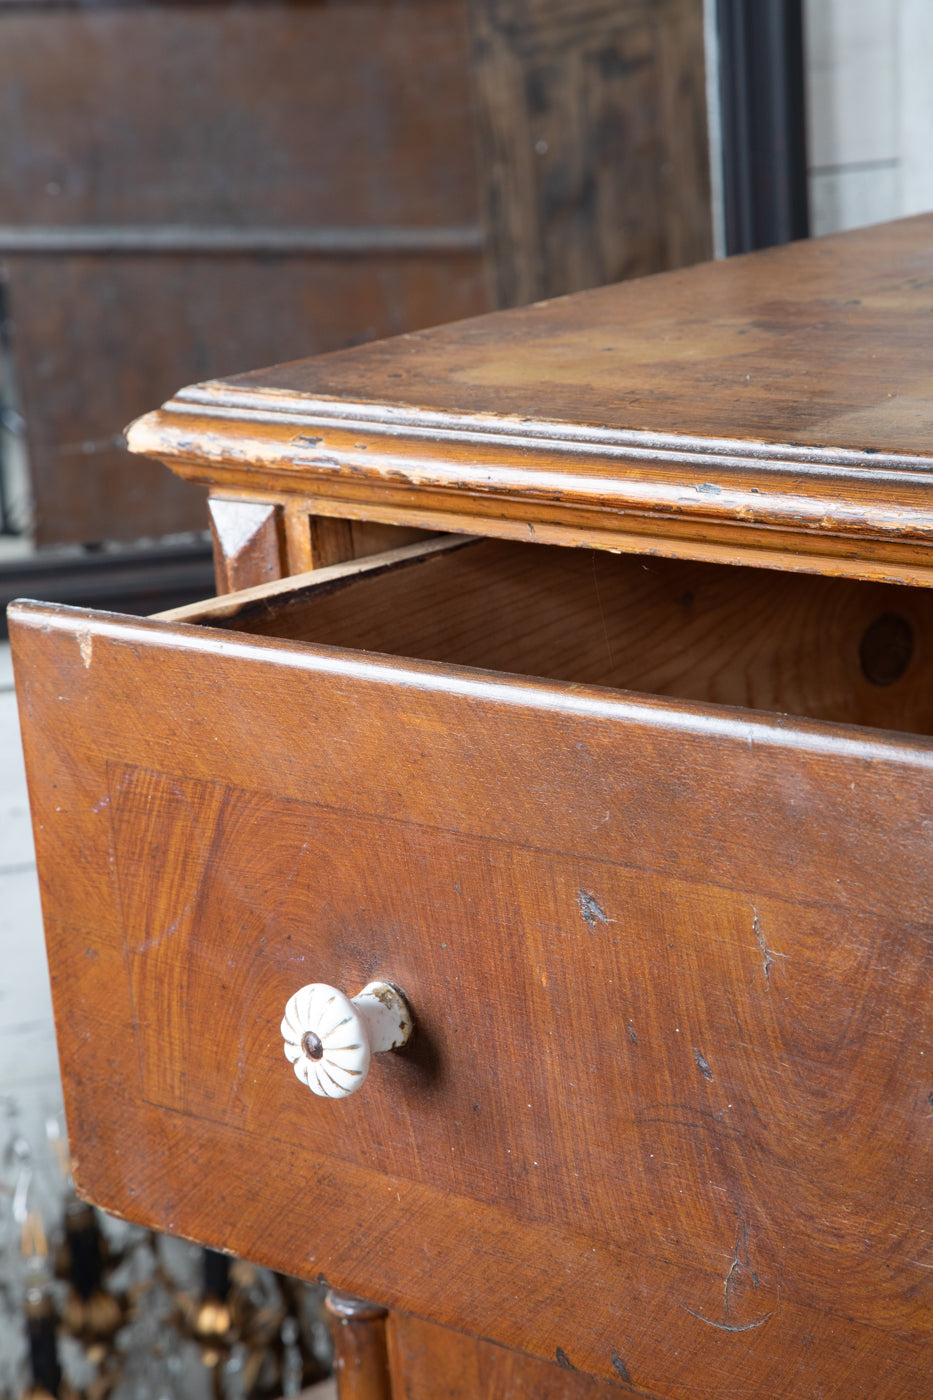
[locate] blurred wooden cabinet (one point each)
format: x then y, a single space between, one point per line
188 190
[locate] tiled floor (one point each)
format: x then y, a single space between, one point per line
28 1062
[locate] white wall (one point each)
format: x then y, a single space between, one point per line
869 110
915 104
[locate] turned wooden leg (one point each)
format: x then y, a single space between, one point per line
361 1358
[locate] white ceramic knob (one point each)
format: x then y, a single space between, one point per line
329 1039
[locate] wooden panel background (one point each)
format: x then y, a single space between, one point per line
592 124
216 117
568 140
100 339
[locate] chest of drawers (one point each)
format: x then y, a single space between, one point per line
616 761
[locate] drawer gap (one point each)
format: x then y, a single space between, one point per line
835 649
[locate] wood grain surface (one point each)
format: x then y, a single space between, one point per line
669 1101
770 409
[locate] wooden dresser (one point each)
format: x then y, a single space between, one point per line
571 671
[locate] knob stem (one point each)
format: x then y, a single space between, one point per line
385 1014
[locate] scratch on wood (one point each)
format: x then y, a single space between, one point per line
739 1259
727 1286
702 1064
592 911
768 957
86 648
728 1326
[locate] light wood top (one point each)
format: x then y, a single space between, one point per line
775 408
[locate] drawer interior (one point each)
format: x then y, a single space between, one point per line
825 648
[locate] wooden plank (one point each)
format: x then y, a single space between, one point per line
668 962
204 137
592 128
172 238
279 594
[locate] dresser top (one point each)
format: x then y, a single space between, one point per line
775 408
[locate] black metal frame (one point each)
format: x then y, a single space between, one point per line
762 97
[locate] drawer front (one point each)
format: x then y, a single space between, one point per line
667 1112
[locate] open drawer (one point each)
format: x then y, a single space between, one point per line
645 844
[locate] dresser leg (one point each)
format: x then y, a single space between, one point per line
361 1358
